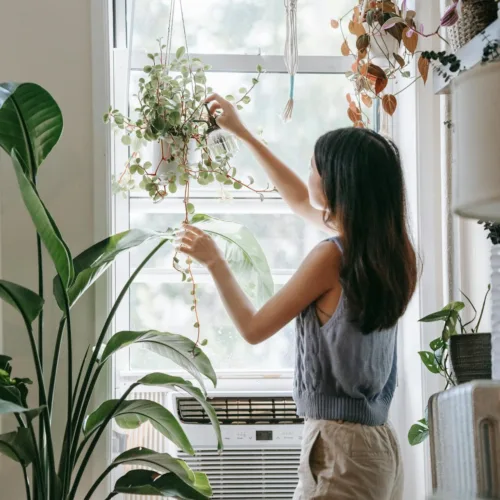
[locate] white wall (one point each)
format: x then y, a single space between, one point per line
48 42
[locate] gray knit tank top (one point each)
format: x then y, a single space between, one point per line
341 374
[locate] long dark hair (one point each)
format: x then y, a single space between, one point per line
363 182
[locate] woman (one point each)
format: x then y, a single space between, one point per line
347 296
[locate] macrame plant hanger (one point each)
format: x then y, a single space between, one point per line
291 54
168 43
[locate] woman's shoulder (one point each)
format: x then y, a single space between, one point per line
327 255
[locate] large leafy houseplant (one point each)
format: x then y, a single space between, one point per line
436 360
30 126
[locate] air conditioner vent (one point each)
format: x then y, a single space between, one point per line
248 473
241 410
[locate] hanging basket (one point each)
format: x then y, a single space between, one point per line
471 356
476 16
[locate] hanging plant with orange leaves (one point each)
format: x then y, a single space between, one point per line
382 37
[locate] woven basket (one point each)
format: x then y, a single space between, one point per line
471 356
476 16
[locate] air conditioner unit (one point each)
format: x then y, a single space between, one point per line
262 437
464 424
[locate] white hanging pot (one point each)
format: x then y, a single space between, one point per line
476 176
382 46
167 166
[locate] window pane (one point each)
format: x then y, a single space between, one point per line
166 307
320 105
285 238
240 26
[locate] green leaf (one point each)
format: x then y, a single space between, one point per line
246 99
418 433
45 225
430 361
180 52
230 98
18 446
171 486
11 394
242 90
28 303
94 261
243 254
454 306
146 482
31 123
160 462
126 140
437 316
190 208
131 414
179 349
164 380
436 344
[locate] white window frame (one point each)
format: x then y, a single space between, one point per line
206 200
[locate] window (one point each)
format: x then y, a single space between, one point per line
233 37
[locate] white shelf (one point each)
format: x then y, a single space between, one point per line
470 55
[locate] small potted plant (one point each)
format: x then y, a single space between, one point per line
460 354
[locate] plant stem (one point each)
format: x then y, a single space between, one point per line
409 85
99 480
94 442
67 471
77 385
55 362
482 309
74 454
37 467
21 462
26 484
41 433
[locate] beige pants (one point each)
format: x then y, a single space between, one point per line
344 461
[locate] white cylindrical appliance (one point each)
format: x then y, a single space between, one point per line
476 108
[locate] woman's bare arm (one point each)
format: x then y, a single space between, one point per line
317 275
287 182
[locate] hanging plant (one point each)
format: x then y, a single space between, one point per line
172 112
386 42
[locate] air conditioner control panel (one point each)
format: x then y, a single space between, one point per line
276 435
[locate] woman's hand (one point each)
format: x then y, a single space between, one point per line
228 117
199 245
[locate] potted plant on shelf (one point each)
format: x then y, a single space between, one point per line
475 16
386 36
30 126
460 354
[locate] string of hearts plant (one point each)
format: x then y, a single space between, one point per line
386 39
171 111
